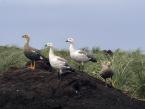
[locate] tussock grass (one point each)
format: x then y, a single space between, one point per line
11 57
129 66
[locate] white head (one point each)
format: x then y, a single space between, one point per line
70 40
49 44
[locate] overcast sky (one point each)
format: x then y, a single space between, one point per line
109 24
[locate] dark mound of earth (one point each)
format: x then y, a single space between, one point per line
41 89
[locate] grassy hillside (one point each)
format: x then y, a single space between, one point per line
129 66
11 57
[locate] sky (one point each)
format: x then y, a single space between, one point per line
108 24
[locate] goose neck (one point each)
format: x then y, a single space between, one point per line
27 42
51 52
71 47
26 46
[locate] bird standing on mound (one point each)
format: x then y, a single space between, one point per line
106 71
32 53
56 61
79 56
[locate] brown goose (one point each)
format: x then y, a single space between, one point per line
32 53
106 71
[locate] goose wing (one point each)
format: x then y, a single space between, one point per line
88 54
61 59
33 54
34 50
64 62
82 52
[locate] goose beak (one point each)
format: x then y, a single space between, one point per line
66 41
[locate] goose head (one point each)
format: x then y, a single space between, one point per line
70 40
49 44
26 37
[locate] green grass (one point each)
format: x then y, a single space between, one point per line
11 57
129 66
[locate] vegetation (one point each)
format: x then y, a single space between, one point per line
11 57
129 66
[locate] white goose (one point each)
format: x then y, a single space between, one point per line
56 61
80 56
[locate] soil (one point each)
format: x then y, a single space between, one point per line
41 89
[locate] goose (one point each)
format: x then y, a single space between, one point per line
57 62
108 52
106 71
79 56
32 53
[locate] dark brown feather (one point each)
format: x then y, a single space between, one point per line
108 73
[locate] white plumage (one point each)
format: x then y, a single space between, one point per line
56 61
80 56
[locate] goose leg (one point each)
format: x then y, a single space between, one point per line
59 74
31 65
82 66
79 67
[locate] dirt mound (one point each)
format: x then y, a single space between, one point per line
41 89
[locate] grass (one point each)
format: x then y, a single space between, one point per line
129 66
11 57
